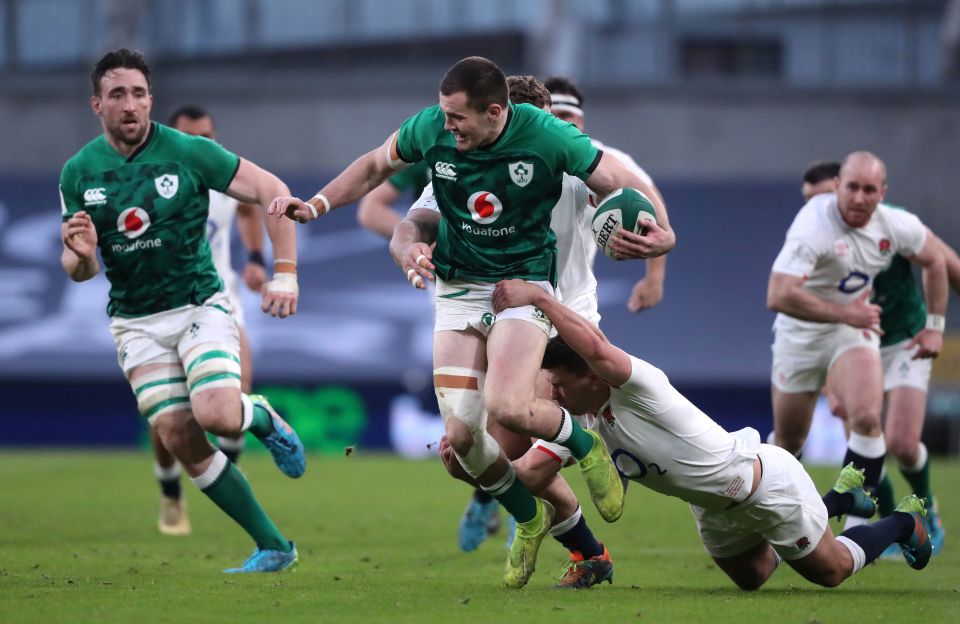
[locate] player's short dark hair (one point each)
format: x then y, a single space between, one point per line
564 86
528 90
481 80
821 170
122 58
558 354
190 111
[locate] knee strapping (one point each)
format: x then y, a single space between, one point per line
160 391
212 366
459 396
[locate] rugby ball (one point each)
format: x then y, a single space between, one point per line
625 208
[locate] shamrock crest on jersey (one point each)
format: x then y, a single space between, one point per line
167 185
521 173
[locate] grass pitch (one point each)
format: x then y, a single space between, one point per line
377 538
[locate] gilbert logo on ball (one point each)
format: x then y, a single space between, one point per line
624 208
484 207
133 222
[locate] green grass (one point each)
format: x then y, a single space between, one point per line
377 537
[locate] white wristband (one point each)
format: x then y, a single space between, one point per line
936 322
323 200
283 283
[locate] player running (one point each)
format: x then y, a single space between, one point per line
139 192
497 174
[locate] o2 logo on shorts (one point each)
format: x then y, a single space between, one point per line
854 281
133 222
484 207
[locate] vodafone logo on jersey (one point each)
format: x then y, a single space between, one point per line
484 207
133 222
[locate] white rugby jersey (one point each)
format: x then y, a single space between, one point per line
570 222
661 440
223 210
630 164
840 261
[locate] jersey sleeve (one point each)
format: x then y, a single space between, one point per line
426 201
649 387
214 164
411 179
574 151
800 251
415 133
911 232
70 199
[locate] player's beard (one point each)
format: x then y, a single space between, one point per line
120 135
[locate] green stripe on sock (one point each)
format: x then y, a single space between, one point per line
231 492
209 355
216 377
159 382
164 404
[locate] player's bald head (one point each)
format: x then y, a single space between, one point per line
864 164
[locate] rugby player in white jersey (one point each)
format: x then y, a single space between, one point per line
497 176
753 504
173 518
820 285
567 104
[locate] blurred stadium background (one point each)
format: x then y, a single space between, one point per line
723 102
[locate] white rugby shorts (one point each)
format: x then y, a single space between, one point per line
463 305
900 370
801 365
786 511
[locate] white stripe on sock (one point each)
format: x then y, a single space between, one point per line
166 474
566 427
502 484
247 411
856 553
230 444
217 465
921 460
867 446
562 527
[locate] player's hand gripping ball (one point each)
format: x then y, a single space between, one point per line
625 208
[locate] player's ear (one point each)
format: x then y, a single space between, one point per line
95 104
494 111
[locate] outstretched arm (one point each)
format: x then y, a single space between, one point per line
609 362
362 176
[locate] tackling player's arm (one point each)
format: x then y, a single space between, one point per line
375 211
251 184
951 258
660 238
609 362
362 176
935 291
250 228
79 256
786 294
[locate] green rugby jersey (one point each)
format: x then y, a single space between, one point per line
150 213
903 313
496 201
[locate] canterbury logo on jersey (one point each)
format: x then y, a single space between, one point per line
447 171
94 196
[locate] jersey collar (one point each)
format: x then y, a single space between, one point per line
150 134
503 132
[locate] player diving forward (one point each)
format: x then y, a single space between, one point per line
497 174
753 503
139 192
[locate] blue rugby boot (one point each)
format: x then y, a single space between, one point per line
917 547
283 442
935 526
473 524
850 482
268 561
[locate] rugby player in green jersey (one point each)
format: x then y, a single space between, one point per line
905 377
140 192
497 174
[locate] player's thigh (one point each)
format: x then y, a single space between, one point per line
857 379
751 568
461 349
792 415
829 563
538 466
514 445
246 360
514 353
209 348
